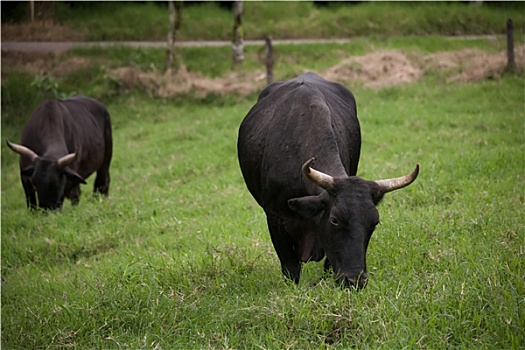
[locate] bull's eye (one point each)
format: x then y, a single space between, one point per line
373 227
333 221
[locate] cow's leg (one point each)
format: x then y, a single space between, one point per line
102 181
29 190
284 246
327 266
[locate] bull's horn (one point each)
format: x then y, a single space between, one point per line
22 150
66 160
399 182
320 179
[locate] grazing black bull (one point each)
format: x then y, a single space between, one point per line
312 213
63 143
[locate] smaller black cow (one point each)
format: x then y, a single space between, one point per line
62 144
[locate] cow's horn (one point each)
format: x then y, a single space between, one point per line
66 160
320 179
22 150
399 182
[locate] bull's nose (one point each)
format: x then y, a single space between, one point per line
50 207
358 282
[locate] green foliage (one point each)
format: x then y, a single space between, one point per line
18 101
295 19
409 18
48 87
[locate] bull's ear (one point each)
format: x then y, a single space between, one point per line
309 206
377 194
73 176
28 171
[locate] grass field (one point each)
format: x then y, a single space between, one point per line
273 18
179 255
288 19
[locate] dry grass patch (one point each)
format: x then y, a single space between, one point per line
375 70
183 81
471 65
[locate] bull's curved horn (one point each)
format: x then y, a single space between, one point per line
66 160
389 185
22 150
320 179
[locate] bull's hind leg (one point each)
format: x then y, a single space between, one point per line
284 246
102 181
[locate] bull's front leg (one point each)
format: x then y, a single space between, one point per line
30 192
284 246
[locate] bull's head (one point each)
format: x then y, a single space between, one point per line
349 217
48 176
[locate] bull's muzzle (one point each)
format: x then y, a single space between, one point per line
357 282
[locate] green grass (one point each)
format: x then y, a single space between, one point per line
294 19
179 255
109 21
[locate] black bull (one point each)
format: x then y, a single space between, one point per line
312 213
63 143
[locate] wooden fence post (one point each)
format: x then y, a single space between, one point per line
175 18
32 8
269 60
237 42
511 63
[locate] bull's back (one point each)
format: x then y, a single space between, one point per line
261 130
87 113
44 131
92 136
291 122
78 124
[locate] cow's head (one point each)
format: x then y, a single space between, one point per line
48 176
349 217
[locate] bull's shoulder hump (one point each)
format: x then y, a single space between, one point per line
269 89
277 89
82 100
85 107
313 82
49 109
305 92
50 103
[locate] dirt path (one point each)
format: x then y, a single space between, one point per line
61 46
58 47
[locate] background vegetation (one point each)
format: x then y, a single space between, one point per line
93 21
179 255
